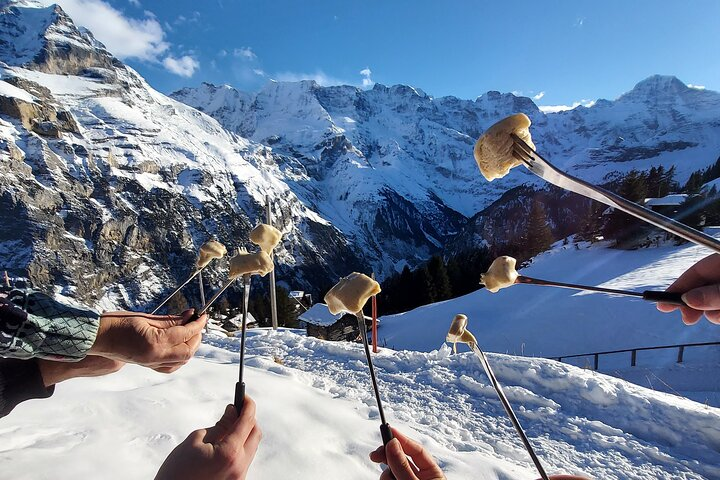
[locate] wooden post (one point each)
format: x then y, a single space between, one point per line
374 321
597 361
681 351
633 359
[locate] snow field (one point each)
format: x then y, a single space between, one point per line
319 418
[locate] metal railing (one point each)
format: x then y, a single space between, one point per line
633 352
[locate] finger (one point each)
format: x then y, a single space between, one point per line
194 342
378 456
243 425
703 298
252 442
704 272
666 307
398 461
713 316
690 316
168 368
417 452
222 427
387 474
177 334
167 321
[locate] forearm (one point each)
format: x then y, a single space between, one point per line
20 380
33 324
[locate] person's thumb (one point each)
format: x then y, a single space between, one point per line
398 461
703 298
217 432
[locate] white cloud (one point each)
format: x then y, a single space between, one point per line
126 38
259 72
222 53
579 22
539 96
319 76
184 66
135 3
366 80
696 87
194 18
562 108
245 53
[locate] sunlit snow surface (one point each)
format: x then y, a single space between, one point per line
319 417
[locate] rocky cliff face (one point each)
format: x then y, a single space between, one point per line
109 187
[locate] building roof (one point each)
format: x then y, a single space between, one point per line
320 315
237 320
666 201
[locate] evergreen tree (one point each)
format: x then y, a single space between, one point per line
634 186
621 226
712 172
439 278
694 183
691 211
668 183
592 222
425 286
654 178
539 236
286 313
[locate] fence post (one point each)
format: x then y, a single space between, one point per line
633 359
597 361
681 351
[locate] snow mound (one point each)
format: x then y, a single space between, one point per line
311 393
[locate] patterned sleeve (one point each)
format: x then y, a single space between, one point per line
33 324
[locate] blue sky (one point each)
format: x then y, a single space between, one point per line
560 52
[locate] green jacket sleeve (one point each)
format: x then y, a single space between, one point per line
33 324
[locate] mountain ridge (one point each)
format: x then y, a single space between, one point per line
102 170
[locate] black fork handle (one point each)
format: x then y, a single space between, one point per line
671 298
239 397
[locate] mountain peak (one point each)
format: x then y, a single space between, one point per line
45 38
657 87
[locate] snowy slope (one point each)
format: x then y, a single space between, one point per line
124 425
551 322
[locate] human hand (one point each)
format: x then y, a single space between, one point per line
395 455
222 452
90 366
161 342
701 287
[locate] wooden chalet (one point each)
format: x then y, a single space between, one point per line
320 323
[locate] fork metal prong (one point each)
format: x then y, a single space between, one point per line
545 170
519 154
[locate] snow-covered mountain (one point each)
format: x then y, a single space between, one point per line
108 186
378 162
